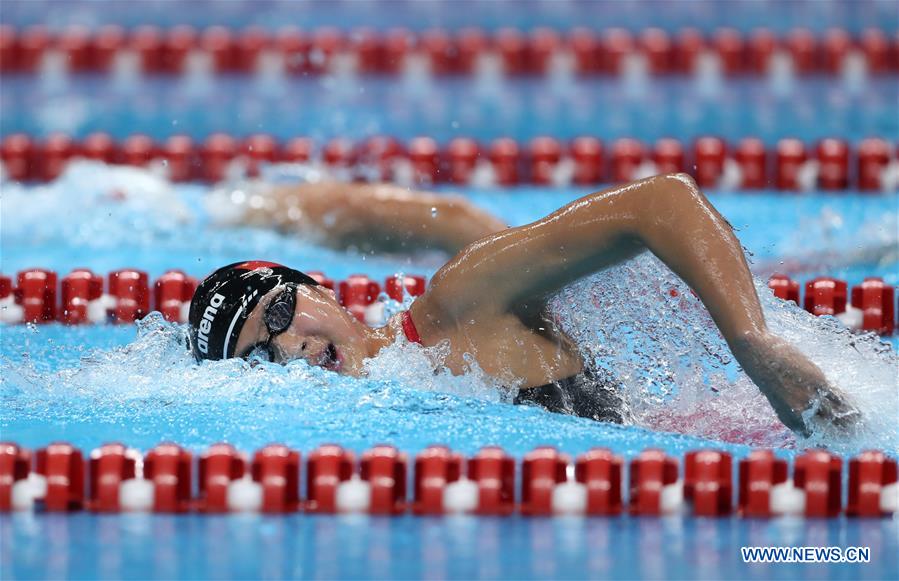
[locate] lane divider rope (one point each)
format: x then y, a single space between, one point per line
169 479
153 50
790 165
126 295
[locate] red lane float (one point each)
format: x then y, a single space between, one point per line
17 153
297 150
277 470
36 293
435 467
110 465
784 287
396 286
876 300
34 43
53 156
80 289
493 471
218 467
138 150
668 156
759 473
424 156
358 293
108 43
216 154
601 472
131 291
545 153
588 156
383 152
708 482
709 155
9 49
825 296
541 470
168 468
752 158
99 146
15 466
874 155
870 473
627 155
179 154
790 157
384 468
833 160
327 467
650 473
63 468
819 474
172 294
504 155
259 149
462 155
802 46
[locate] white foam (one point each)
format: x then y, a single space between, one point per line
92 204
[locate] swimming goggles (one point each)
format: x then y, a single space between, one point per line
277 317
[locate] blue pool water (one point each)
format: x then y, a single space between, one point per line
316 547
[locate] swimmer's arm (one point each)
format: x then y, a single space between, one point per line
376 216
670 217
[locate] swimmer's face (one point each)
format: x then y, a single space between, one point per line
322 332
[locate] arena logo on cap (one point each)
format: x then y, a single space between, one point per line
206 322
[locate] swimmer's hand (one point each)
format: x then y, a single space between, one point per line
795 387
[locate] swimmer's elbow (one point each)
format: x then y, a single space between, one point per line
679 181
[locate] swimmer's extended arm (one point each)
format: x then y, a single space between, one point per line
374 216
669 216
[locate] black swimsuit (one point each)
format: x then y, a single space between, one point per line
585 394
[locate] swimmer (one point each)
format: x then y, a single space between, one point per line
368 217
489 303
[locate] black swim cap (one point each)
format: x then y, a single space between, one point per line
226 298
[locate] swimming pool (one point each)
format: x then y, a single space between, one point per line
93 384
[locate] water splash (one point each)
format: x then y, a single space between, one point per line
641 323
95 206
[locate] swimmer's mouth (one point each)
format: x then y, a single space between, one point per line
330 359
